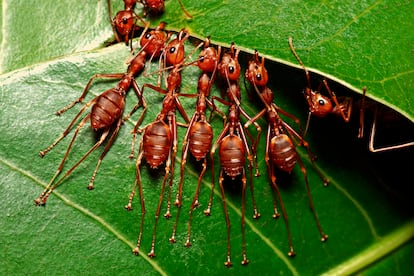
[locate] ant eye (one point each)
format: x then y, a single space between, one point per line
172 50
148 35
231 69
321 102
124 20
201 59
259 77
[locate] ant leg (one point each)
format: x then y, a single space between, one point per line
173 128
275 188
387 148
157 213
341 112
195 203
138 176
86 90
226 212
305 144
68 129
324 237
245 261
92 149
256 213
41 200
105 151
141 199
179 195
362 114
207 212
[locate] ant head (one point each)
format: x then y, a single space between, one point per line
256 73
208 58
229 66
153 42
319 105
124 22
174 51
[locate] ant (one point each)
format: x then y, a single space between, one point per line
124 23
106 113
320 105
199 135
280 151
233 147
159 141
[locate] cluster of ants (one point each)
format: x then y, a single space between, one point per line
236 144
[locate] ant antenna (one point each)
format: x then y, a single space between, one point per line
299 60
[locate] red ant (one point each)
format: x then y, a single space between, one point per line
124 23
319 105
159 141
107 110
233 147
199 135
280 150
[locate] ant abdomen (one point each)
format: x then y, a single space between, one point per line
283 153
107 109
201 136
157 142
232 155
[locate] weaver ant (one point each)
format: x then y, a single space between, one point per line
159 141
107 110
199 135
280 151
124 23
320 105
233 147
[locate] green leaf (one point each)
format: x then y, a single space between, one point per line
356 44
366 207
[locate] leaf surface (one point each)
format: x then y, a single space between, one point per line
81 231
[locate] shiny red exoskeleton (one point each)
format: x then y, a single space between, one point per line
233 146
158 145
107 110
320 105
199 135
124 23
280 150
